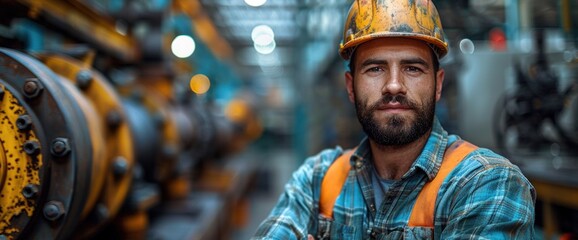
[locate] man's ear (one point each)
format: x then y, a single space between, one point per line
439 83
349 86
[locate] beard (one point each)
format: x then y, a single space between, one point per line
396 130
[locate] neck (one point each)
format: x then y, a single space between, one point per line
392 162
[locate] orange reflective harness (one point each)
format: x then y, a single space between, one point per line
422 214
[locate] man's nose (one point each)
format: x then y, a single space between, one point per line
393 84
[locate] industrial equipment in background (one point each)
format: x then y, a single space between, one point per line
528 120
515 69
98 138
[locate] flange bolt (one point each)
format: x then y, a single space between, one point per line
31 147
30 191
24 122
32 87
83 79
53 210
60 147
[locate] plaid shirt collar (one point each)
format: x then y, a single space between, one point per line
430 159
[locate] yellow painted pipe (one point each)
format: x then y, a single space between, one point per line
20 162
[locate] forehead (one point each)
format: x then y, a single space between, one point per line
393 48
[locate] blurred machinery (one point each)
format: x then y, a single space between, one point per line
536 126
510 105
528 120
83 156
511 86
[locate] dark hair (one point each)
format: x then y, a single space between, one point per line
435 60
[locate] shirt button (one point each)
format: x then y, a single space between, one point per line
369 231
372 207
358 164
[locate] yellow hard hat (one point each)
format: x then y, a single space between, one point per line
370 19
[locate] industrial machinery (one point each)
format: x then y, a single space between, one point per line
83 156
528 120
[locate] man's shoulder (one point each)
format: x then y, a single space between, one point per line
485 162
484 167
316 165
488 159
483 158
325 157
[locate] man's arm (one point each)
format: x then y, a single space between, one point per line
494 203
291 216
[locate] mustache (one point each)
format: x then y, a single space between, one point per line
389 98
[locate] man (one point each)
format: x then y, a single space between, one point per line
408 179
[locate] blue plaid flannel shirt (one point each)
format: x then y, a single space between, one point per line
485 197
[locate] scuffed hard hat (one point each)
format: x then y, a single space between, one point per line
371 19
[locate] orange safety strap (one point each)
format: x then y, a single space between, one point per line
339 170
333 182
422 214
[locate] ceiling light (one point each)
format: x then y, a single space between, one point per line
262 35
255 3
183 46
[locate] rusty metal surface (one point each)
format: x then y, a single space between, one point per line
110 134
21 163
82 145
62 141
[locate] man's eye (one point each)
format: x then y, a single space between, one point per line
413 69
374 69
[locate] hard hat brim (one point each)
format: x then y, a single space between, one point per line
438 46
